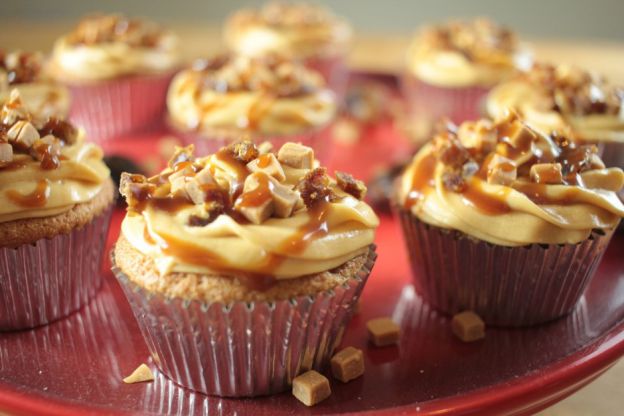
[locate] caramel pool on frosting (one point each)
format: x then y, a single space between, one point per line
505 183
245 213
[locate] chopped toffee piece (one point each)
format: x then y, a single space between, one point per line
315 187
23 133
383 332
244 152
140 375
20 67
468 326
296 156
350 185
549 173
348 364
311 388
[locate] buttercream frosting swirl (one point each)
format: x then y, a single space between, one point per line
466 53
247 212
46 167
266 96
508 184
294 30
109 46
563 98
41 95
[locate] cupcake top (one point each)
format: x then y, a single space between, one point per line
23 71
110 46
246 211
553 98
466 53
46 167
505 183
270 96
294 30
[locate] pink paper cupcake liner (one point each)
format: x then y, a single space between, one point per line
506 286
110 109
50 279
243 349
334 70
320 140
427 104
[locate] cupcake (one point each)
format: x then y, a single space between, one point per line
305 32
57 197
451 67
118 70
243 267
566 98
39 94
506 221
217 101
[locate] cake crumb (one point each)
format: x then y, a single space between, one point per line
383 332
348 364
141 374
468 326
311 388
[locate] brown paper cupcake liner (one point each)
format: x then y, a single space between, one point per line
50 279
243 349
506 286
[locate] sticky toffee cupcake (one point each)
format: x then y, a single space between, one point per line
118 70
297 31
217 101
57 197
242 267
569 99
41 95
452 66
506 221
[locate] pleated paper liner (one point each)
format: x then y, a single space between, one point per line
47 280
506 286
427 104
243 349
112 108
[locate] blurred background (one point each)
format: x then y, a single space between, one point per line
545 18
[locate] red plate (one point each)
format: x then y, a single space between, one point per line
75 366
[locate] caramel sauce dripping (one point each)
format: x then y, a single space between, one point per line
13 165
422 180
35 199
537 193
259 196
492 204
264 161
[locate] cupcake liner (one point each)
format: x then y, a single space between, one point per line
320 140
427 104
110 109
51 278
243 349
334 71
506 286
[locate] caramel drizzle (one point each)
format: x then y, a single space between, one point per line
422 180
35 199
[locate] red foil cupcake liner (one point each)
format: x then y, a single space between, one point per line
243 349
334 70
50 279
505 286
320 140
427 104
109 109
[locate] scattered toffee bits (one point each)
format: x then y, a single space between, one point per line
142 374
272 75
311 388
508 153
383 332
350 185
571 90
468 326
21 133
348 364
98 29
241 181
19 67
